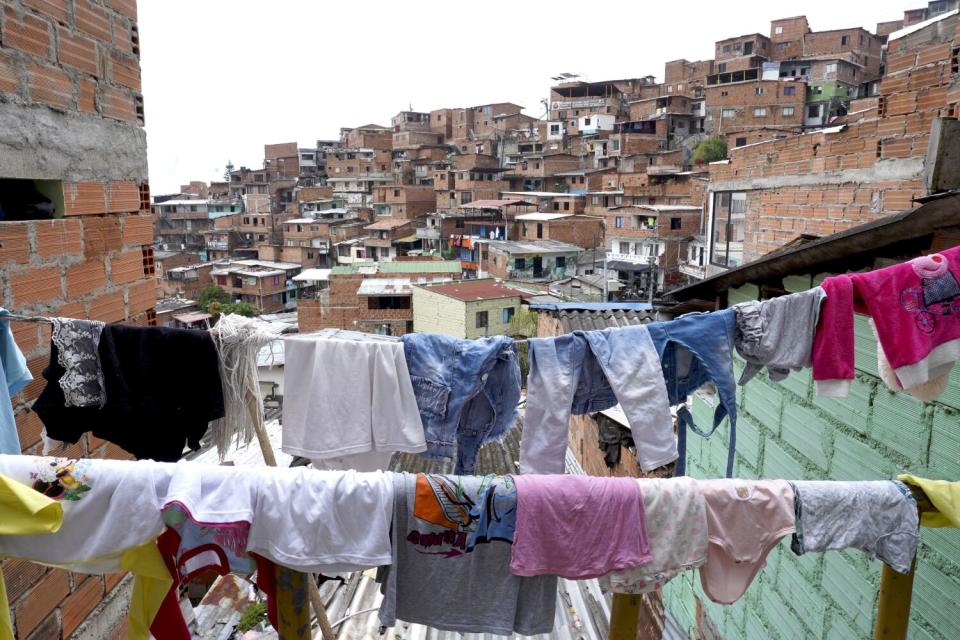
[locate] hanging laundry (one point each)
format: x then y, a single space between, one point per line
586 372
746 519
435 581
111 519
929 391
495 512
23 512
676 521
78 345
467 392
239 341
695 349
14 376
612 437
348 401
777 333
578 527
916 308
879 518
162 387
323 521
944 495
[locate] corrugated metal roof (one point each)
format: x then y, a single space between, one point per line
593 320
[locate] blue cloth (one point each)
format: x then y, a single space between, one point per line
495 513
14 376
695 349
586 372
467 392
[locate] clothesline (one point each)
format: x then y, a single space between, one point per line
449 531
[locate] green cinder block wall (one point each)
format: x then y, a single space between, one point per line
785 431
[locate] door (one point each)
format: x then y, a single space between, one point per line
538 267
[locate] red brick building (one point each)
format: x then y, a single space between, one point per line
70 77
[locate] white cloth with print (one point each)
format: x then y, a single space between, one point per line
676 520
109 506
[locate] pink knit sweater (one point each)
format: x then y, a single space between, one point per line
916 308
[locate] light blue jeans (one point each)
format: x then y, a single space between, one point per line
586 372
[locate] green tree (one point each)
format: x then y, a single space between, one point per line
211 294
710 150
236 308
524 324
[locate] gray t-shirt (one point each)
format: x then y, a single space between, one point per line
436 581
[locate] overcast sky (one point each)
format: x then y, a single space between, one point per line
223 77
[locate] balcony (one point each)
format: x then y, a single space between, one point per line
428 233
693 270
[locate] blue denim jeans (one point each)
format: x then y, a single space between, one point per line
587 372
467 392
695 349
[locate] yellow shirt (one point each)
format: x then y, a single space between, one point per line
23 511
944 495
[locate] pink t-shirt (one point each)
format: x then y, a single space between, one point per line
578 527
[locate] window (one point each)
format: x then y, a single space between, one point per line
740 142
275 280
508 313
729 217
586 122
482 320
722 67
816 90
760 112
396 193
728 113
624 248
556 206
813 111
674 224
760 91
618 222
789 91
778 30
830 68
520 264
787 112
554 129
747 48
252 281
727 48
566 206
844 41
539 230
561 262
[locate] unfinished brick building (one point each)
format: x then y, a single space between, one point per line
874 164
70 81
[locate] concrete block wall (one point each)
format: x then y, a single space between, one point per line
785 431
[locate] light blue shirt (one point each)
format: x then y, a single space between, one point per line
14 376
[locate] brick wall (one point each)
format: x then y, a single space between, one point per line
743 99
80 58
871 168
785 431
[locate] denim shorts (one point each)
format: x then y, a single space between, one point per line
467 392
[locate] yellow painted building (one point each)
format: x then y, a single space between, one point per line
465 309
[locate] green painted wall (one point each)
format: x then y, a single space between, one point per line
785 431
829 90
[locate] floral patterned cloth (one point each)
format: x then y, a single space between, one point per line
677 529
78 343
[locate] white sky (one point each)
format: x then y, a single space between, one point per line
223 77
